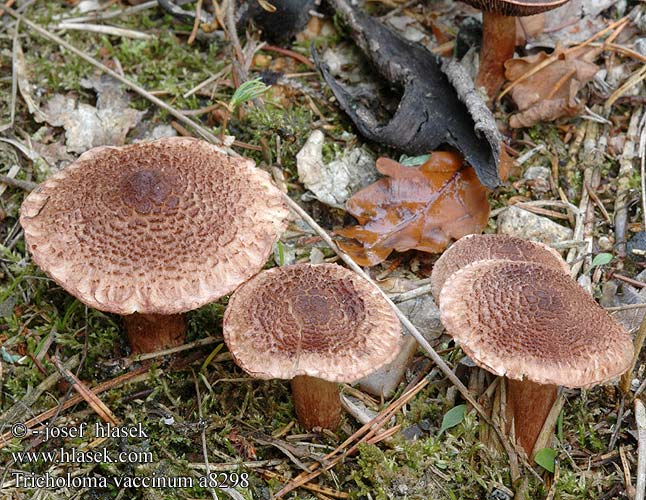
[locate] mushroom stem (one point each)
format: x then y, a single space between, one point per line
498 45
528 405
153 332
317 402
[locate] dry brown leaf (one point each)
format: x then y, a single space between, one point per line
415 208
551 92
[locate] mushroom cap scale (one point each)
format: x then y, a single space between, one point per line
516 7
160 227
318 320
524 320
475 247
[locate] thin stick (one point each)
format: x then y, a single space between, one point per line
10 181
640 419
239 59
630 281
636 77
627 307
109 15
105 30
642 158
205 452
14 72
9 3
196 23
627 377
206 134
210 79
90 397
624 181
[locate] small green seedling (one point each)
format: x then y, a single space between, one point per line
453 417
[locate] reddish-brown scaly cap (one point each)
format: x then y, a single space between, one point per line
525 320
475 247
160 227
318 320
516 7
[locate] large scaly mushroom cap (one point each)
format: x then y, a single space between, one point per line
525 320
516 7
475 247
160 227
318 320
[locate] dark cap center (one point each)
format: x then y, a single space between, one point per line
146 191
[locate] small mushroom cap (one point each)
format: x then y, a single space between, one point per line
318 320
516 7
474 247
160 227
524 320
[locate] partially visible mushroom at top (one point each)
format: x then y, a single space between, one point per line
315 325
152 230
499 36
536 326
474 247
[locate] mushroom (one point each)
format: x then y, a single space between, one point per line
474 247
316 325
499 36
536 326
152 230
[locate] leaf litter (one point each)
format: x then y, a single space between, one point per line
421 208
553 91
87 126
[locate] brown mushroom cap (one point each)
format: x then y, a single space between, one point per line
160 227
516 7
525 320
318 320
474 247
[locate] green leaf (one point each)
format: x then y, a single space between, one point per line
601 259
413 161
10 358
453 417
545 457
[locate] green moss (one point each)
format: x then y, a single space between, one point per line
292 125
455 465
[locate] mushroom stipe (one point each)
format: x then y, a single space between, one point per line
536 326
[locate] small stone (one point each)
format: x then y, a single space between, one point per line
605 244
523 224
538 179
413 432
501 493
639 45
533 173
333 183
316 256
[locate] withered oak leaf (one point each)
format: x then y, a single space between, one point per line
415 208
551 92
